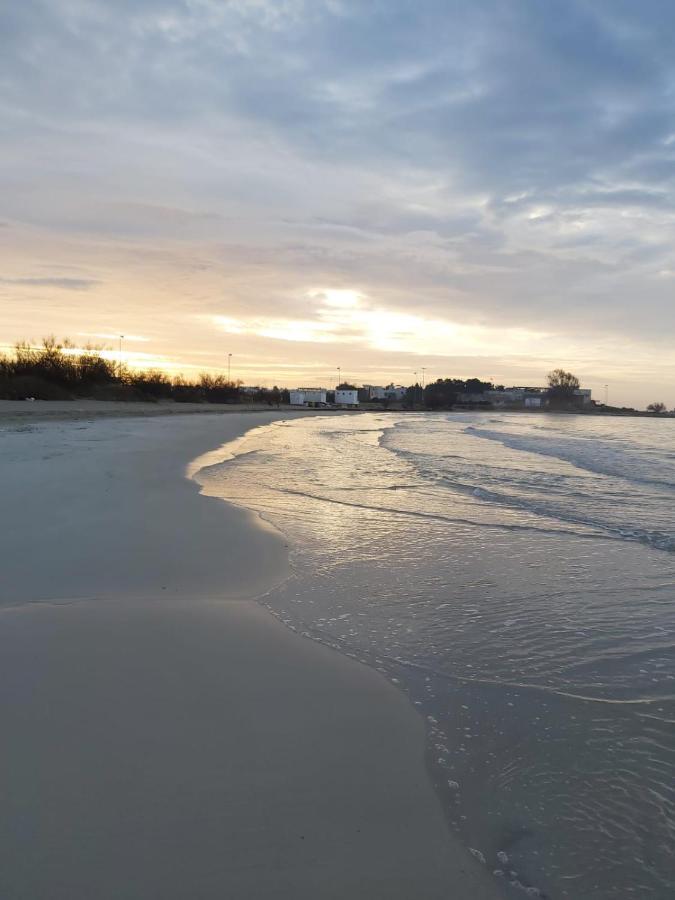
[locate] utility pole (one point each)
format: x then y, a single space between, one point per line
229 366
339 370
423 371
120 362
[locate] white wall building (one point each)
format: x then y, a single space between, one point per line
346 397
508 397
375 392
390 392
395 392
308 397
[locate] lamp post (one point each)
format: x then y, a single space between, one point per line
229 363
120 357
339 370
423 371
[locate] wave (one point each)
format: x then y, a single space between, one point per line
619 467
451 520
659 540
569 499
653 538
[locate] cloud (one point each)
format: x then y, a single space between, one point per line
492 165
107 336
342 318
66 284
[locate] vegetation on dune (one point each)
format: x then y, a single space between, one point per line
57 371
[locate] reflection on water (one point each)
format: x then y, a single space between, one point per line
515 576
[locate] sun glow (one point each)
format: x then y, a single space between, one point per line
349 317
339 299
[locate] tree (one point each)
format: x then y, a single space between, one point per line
561 387
559 379
656 407
442 393
476 386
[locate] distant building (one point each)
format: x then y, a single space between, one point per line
377 392
472 399
308 397
519 398
395 392
346 397
373 392
508 398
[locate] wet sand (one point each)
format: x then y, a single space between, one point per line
163 735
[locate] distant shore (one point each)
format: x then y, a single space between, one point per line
164 735
85 409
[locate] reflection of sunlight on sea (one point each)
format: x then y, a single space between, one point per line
512 574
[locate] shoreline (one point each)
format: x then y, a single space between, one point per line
167 736
14 412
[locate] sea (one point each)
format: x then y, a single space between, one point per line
514 575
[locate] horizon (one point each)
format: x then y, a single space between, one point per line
480 190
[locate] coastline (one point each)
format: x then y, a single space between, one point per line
167 736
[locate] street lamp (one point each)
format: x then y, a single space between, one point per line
120 357
339 376
229 363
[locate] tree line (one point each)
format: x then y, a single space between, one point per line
57 371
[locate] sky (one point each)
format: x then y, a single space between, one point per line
479 188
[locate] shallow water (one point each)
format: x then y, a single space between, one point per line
515 575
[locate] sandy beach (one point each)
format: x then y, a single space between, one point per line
164 736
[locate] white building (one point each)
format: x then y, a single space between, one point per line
346 397
390 392
395 392
308 397
508 397
375 392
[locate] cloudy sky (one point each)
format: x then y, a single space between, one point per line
484 187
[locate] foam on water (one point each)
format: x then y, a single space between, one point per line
513 576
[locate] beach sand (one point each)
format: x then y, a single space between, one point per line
69 410
163 735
